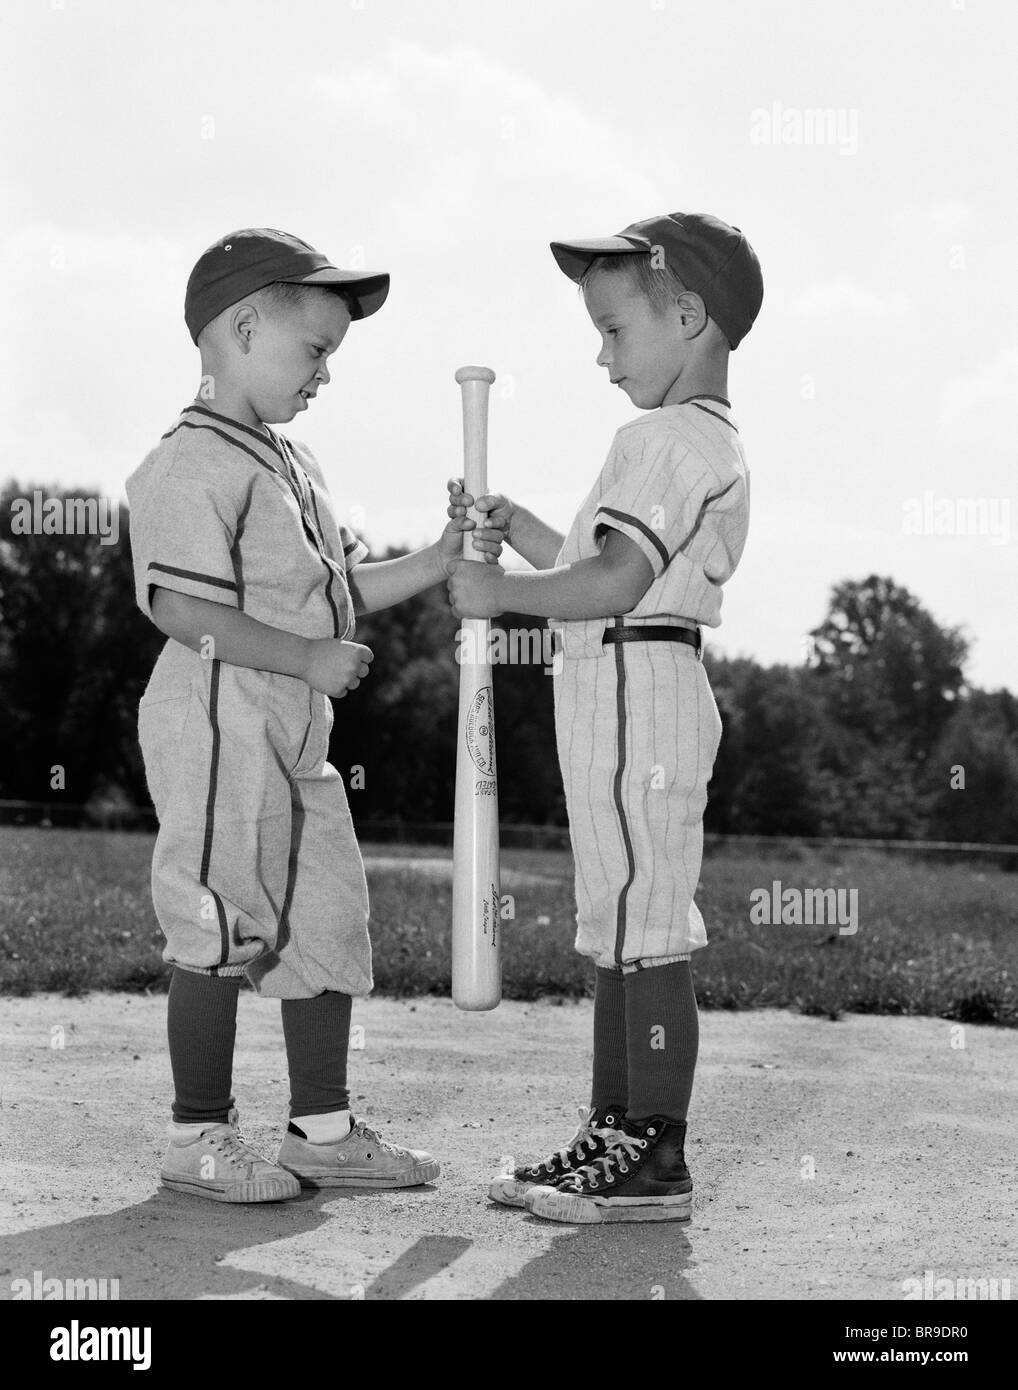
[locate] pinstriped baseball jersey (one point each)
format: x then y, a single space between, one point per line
676 483
636 724
256 867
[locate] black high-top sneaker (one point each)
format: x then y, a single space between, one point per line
589 1142
641 1176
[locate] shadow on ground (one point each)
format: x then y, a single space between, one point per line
166 1248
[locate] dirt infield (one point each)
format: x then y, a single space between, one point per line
910 1142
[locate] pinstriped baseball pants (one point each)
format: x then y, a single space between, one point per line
638 730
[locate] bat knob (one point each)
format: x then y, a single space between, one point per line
475 374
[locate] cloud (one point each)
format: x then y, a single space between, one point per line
842 297
950 217
997 381
461 126
98 328
48 257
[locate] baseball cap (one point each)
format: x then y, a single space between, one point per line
711 258
242 262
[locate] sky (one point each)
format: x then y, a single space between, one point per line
448 143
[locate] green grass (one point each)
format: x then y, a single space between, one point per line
940 940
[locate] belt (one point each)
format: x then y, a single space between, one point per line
650 632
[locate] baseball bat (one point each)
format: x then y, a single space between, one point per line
476 890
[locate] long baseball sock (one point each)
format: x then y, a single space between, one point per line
317 1034
662 1039
201 1026
610 1086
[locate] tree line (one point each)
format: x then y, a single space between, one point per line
876 733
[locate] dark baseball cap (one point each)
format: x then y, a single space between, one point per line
711 258
248 260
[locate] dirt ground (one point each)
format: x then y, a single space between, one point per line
830 1160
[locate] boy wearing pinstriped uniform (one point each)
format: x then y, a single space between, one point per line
636 722
241 561
629 588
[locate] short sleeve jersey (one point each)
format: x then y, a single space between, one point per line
676 483
224 512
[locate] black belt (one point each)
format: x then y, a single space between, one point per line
651 632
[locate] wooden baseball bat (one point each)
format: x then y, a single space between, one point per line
476 890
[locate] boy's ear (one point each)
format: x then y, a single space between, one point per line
692 313
242 325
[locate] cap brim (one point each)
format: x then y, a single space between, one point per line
574 257
367 291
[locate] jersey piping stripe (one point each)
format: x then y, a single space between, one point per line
319 539
210 815
190 425
296 475
620 767
192 574
640 526
267 440
714 497
717 415
318 520
722 400
299 478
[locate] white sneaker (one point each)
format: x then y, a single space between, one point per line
217 1162
362 1159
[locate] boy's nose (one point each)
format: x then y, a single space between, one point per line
604 358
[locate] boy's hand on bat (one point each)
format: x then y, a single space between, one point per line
498 510
488 539
475 591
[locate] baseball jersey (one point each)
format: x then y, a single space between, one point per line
676 483
222 511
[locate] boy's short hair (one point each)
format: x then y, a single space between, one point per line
659 286
280 296
285 294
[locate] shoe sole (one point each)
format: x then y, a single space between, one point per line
425 1172
552 1205
270 1191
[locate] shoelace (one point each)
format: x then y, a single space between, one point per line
233 1145
583 1135
621 1147
363 1131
